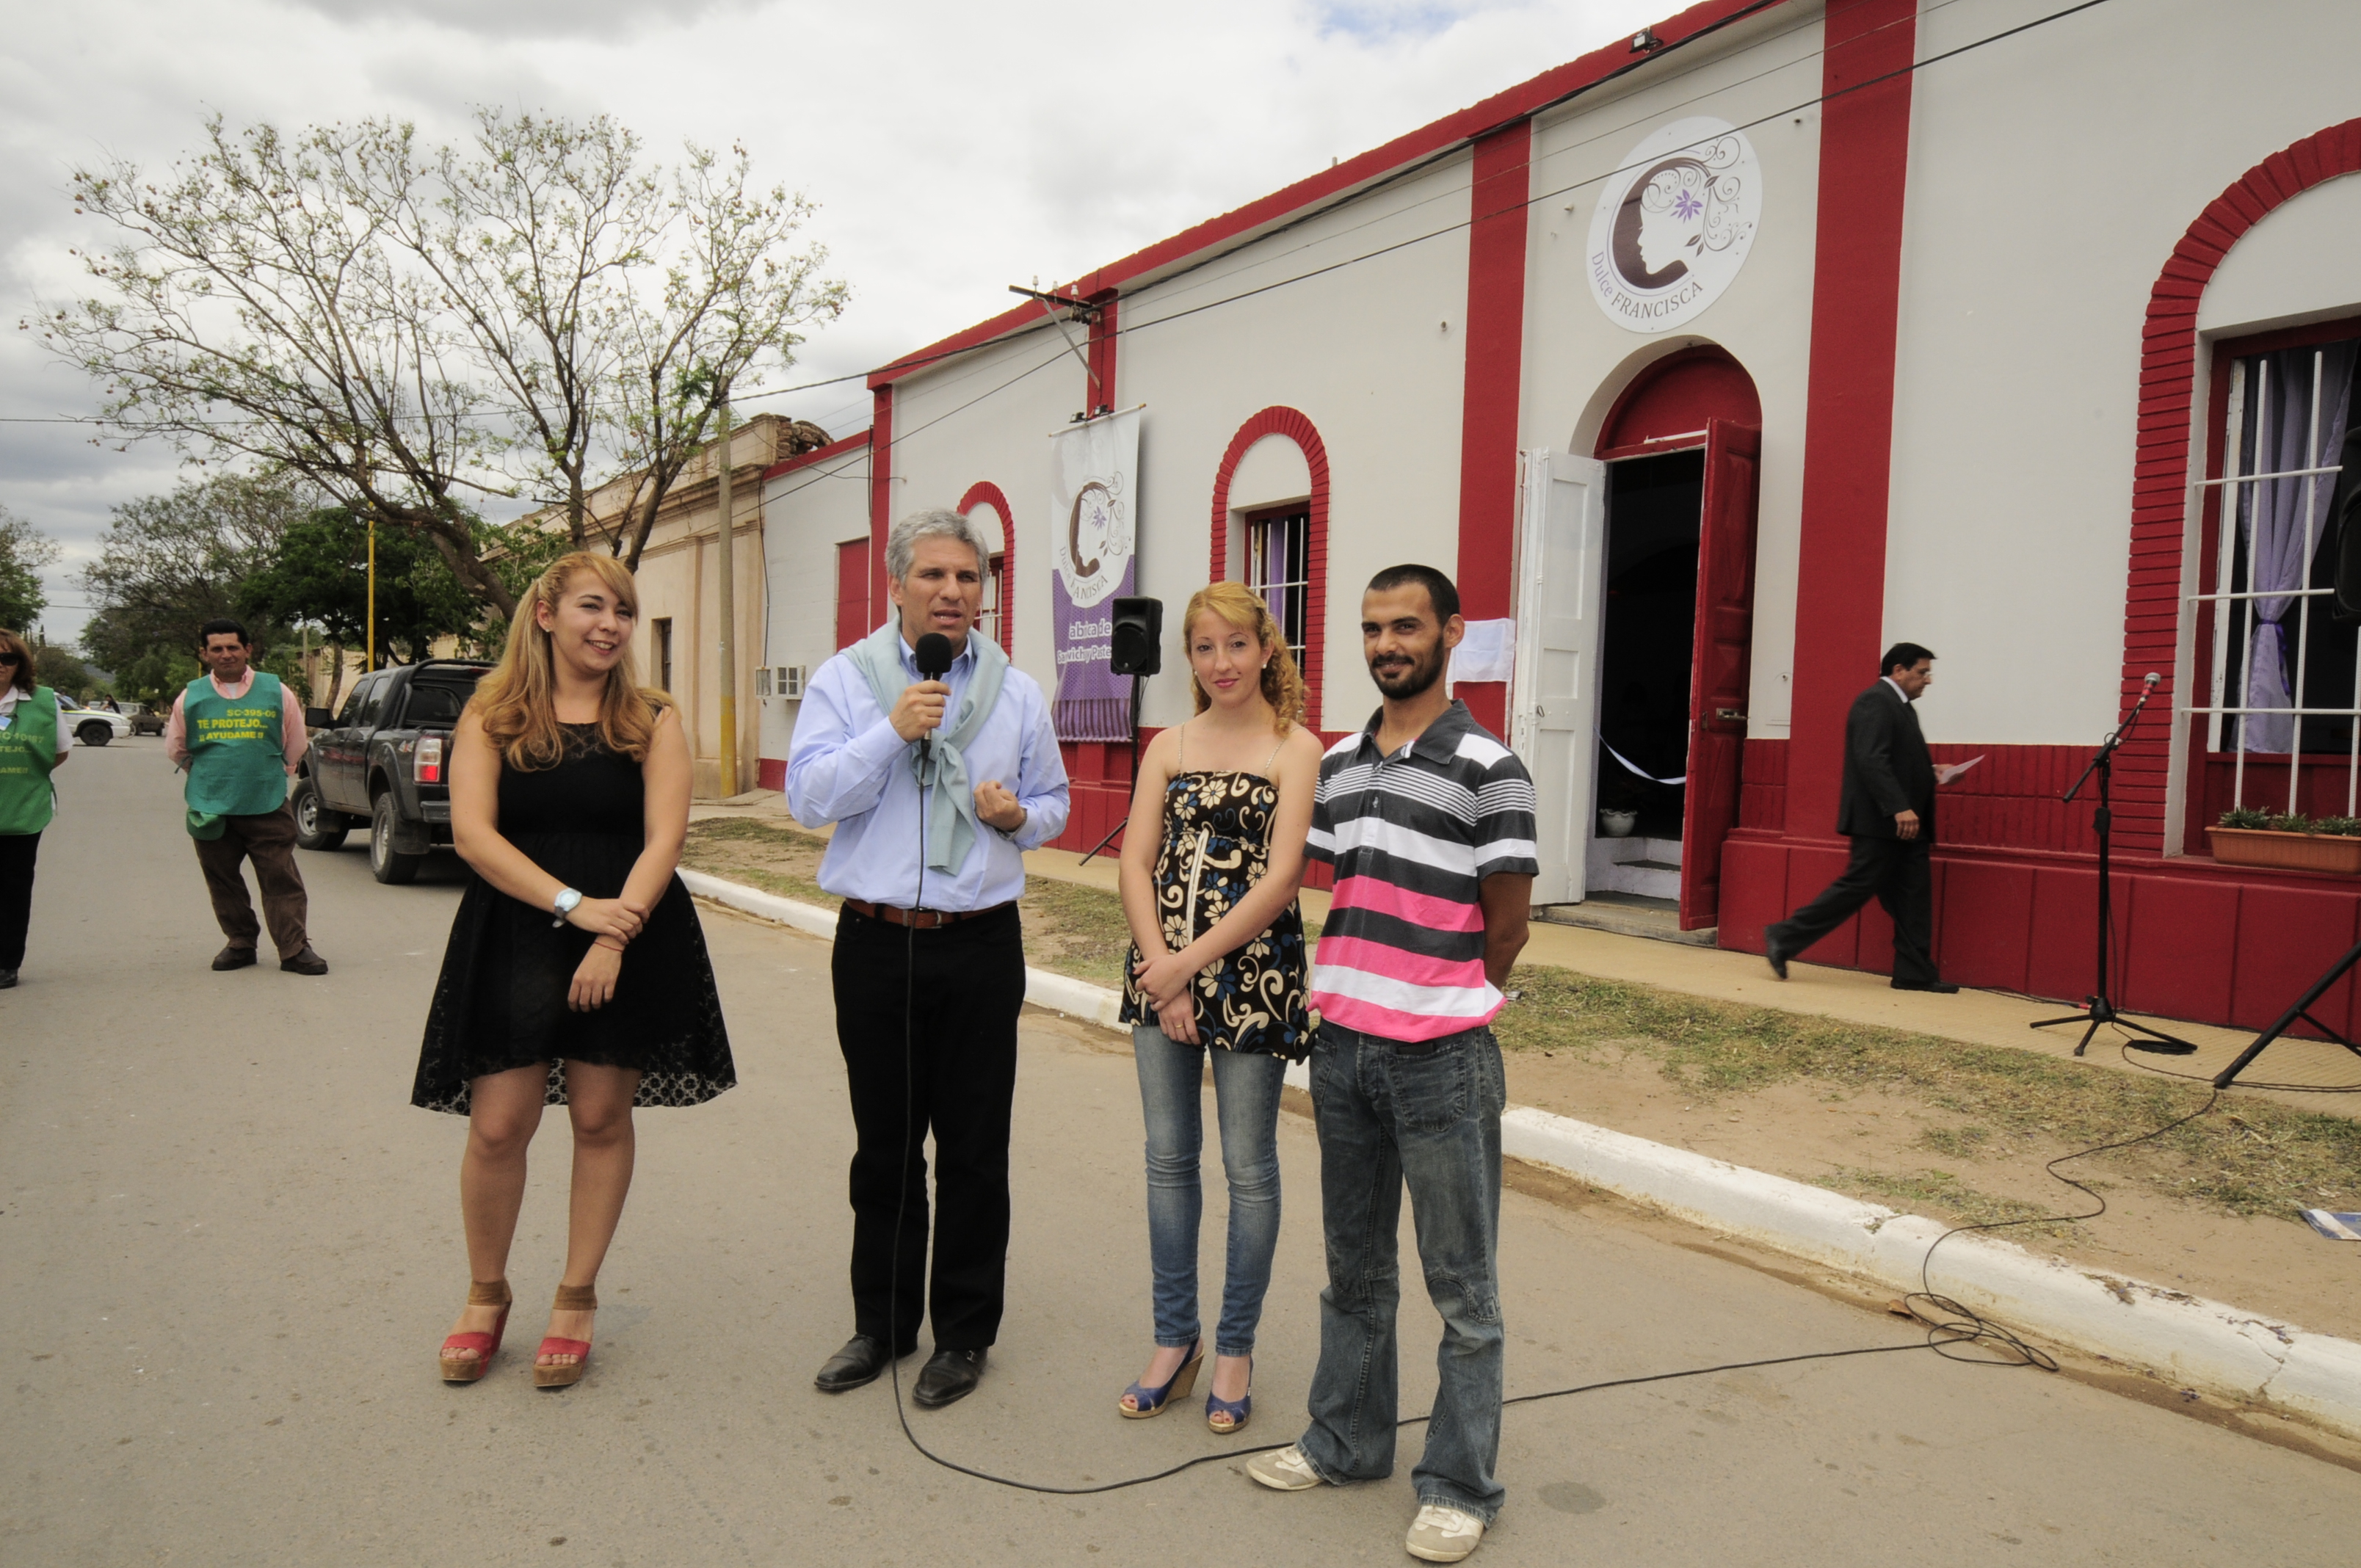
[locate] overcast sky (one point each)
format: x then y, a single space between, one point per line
953 148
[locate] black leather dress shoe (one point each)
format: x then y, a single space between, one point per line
1777 953
305 962
948 1377
1939 987
8 980
862 1360
234 957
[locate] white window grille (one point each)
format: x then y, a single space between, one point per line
2286 668
996 586
1278 567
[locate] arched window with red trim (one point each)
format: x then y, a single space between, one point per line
1280 542
998 617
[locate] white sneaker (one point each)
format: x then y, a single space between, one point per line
1285 1470
1443 1534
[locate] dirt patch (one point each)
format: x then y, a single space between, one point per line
1895 1147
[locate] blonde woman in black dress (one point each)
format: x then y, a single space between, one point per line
576 973
1210 863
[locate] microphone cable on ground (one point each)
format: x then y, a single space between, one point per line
1950 1325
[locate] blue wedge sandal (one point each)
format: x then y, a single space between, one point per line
1146 1402
1228 1416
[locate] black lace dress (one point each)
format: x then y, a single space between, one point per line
1217 846
501 1001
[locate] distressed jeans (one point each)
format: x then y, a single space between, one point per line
1246 1097
1427 1115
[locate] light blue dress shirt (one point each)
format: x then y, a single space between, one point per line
847 766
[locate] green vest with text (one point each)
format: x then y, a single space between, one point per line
28 748
236 762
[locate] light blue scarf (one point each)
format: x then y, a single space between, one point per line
951 810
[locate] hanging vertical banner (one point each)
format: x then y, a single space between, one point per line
1093 516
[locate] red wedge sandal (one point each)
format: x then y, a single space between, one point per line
468 1368
570 1298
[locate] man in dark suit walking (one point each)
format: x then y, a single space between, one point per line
1887 810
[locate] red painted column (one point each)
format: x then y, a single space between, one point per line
881 497
1495 356
1848 431
1102 353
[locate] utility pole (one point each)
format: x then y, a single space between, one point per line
729 605
369 660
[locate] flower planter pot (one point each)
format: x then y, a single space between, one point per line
1618 824
2286 852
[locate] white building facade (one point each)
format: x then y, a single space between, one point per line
1708 365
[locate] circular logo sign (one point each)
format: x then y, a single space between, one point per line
1674 225
1096 542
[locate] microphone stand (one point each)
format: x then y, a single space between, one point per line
2103 1009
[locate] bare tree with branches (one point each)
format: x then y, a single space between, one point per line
418 332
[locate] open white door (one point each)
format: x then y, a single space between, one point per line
1561 611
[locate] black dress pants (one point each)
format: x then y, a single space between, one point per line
963 986
18 853
1895 872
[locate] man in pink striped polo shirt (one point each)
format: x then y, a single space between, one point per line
1429 822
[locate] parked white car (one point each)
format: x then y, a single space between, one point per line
93 725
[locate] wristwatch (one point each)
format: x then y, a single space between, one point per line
566 903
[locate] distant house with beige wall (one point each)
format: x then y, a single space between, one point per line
679 636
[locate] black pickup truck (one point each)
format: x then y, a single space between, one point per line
383 763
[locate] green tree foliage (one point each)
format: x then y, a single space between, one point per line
23 553
57 667
319 574
157 676
169 564
413 330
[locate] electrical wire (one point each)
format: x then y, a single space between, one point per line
918 361
1950 1326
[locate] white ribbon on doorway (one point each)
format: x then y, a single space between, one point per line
1633 767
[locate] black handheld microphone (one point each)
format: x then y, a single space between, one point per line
933 653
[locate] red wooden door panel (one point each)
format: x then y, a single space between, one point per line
851 592
1718 666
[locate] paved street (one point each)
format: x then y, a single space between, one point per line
232 1246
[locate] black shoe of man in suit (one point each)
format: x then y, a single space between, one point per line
948 1377
862 1361
1939 987
1776 951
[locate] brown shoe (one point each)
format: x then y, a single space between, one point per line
305 962
234 957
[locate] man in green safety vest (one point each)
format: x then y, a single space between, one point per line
239 733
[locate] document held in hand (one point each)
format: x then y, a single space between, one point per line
1945 771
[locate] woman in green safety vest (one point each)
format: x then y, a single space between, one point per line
34 741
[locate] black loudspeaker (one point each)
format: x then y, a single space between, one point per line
1138 637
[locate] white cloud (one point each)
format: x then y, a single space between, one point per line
955 148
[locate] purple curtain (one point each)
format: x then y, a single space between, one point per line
2282 519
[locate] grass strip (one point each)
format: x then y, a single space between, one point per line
2252 1156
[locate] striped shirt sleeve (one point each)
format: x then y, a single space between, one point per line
1504 826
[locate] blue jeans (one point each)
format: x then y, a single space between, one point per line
1431 1119
1246 1095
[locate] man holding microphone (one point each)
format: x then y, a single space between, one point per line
902 752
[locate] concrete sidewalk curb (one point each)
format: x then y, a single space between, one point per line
2193 1342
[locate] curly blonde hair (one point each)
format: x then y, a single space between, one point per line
517 703
1239 605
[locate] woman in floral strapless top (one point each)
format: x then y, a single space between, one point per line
1210 863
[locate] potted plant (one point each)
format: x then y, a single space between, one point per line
2247 836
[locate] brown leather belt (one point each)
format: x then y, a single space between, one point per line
920 919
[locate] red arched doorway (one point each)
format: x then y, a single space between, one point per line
1680 452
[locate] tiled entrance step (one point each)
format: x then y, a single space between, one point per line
1649 868
1628 914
